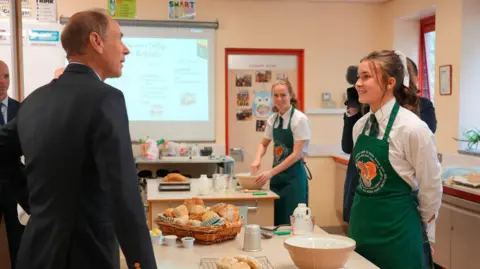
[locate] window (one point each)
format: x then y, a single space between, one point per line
426 69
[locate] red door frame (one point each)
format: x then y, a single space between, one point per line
251 51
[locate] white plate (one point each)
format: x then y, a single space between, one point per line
464 181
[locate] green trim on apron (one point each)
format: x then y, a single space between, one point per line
384 219
291 184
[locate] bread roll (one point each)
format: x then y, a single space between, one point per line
195 223
252 263
241 265
192 203
227 211
197 209
169 212
473 178
180 210
174 177
182 220
209 215
226 263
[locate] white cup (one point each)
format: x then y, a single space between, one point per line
171 240
188 242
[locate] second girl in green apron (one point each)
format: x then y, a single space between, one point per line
290 131
400 187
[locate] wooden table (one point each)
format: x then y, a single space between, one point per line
181 258
258 209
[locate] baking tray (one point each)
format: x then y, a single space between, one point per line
211 263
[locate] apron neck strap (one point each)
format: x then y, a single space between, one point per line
289 120
393 115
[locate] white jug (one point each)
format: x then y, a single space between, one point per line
302 221
203 185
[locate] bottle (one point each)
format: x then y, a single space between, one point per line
302 223
203 185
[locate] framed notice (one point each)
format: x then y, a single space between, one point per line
445 83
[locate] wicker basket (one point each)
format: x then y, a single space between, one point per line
203 235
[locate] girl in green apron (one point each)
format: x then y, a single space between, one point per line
290 131
393 147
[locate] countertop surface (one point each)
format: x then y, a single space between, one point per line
153 195
196 159
177 257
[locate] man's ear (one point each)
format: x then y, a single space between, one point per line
96 42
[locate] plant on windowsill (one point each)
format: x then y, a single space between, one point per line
472 137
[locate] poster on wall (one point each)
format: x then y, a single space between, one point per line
4 37
243 80
182 10
263 76
243 98
122 9
262 104
283 76
44 37
5 11
244 113
260 126
46 10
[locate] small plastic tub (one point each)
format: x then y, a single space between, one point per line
170 240
188 242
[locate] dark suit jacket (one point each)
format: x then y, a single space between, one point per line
12 177
427 114
84 195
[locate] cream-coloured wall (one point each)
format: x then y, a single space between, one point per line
334 36
448 28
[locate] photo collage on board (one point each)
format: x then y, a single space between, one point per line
254 97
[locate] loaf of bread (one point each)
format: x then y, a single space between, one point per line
169 212
473 178
252 263
192 204
227 211
238 262
209 215
197 209
174 177
180 210
183 220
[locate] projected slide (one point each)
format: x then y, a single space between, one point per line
165 79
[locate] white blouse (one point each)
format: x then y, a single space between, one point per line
413 156
300 127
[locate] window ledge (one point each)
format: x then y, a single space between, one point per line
471 152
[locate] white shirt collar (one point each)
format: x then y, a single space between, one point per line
384 112
88 66
286 115
5 101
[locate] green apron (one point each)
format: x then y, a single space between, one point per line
384 219
291 184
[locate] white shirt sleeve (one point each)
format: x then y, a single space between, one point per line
23 217
421 153
268 134
358 127
301 129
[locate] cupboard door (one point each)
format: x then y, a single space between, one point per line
465 239
443 232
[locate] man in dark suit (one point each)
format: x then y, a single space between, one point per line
9 181
427 111
74 134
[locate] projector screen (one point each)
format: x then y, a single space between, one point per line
168 83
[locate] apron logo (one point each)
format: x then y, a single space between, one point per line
368 171
371 172
279 152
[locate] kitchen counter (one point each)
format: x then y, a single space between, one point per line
257 209
223 164
181 258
